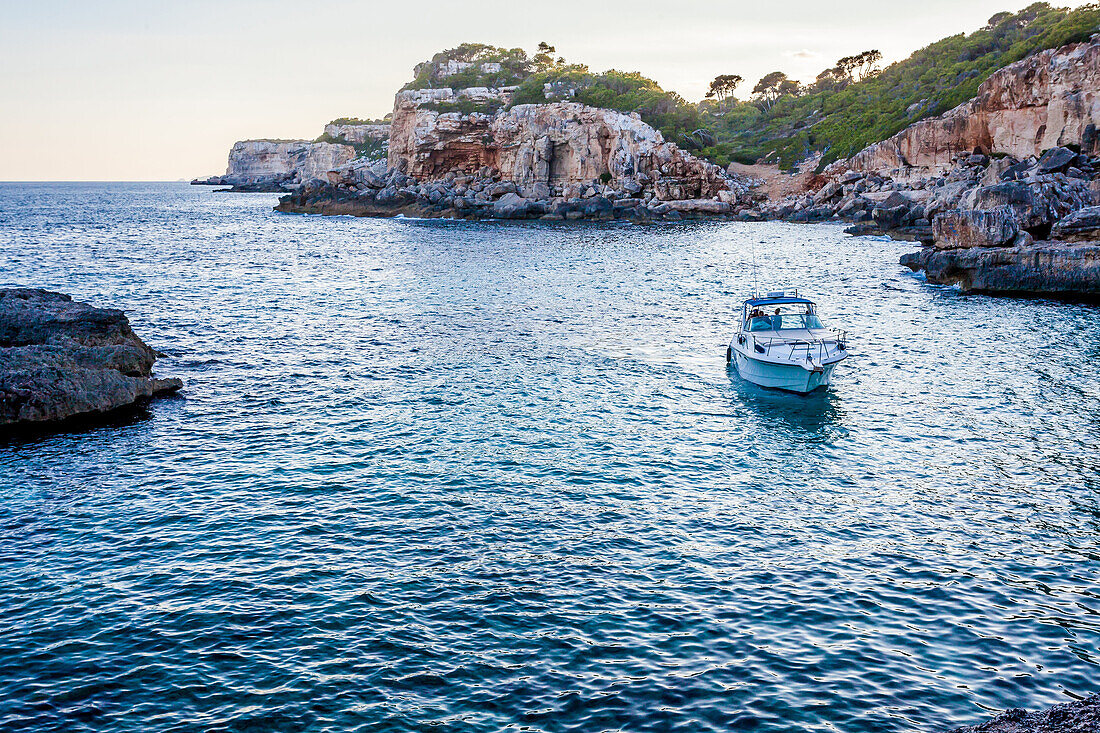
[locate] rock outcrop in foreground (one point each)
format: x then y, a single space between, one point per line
1081 716
1026 268
60 359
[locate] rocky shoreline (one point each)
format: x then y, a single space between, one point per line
385 192
999 192
63 361
1079 716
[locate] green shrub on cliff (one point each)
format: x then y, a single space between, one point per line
514 68
624 91
357 121
373 149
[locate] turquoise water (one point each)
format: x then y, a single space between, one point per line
474 477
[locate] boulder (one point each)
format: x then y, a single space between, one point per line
890 218
1030 208
537 190
962 229
851 204
863 229
700 206
996 170
497 190
1056 160
511 206
597 207
1082 225
828 192
60 359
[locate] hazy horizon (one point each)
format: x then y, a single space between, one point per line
125 92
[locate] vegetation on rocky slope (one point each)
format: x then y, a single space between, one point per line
359 121
848 107
838 116
486 66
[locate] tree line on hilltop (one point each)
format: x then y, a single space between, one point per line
848 106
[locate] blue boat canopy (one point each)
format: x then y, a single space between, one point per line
778 300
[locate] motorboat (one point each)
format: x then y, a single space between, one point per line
782 344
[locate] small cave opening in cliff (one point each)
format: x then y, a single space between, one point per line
466 157
1040 232
561 164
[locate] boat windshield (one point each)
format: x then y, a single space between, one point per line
796 320
784 319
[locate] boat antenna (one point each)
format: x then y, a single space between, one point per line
755 290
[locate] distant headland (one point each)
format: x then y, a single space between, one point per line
983 147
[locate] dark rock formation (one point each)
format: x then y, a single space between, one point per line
1029 268
374 190
1082 225
60 359
1056 160
960 229
1081 716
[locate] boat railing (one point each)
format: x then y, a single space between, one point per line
836 336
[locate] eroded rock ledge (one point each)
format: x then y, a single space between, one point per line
1029 268
1081 716
60 360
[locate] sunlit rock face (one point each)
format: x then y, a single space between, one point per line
559 144
1047 100
295 161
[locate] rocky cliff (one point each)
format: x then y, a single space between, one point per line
1047 100
255 161
279 165
60 359
556 148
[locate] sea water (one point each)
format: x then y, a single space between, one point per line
437 475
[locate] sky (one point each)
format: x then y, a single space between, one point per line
107 90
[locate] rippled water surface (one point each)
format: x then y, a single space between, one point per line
470 477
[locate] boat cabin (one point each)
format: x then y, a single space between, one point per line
779 312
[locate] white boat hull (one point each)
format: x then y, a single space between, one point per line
789 377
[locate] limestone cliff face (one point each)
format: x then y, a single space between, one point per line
560 144
1049 99
358 134
295 161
